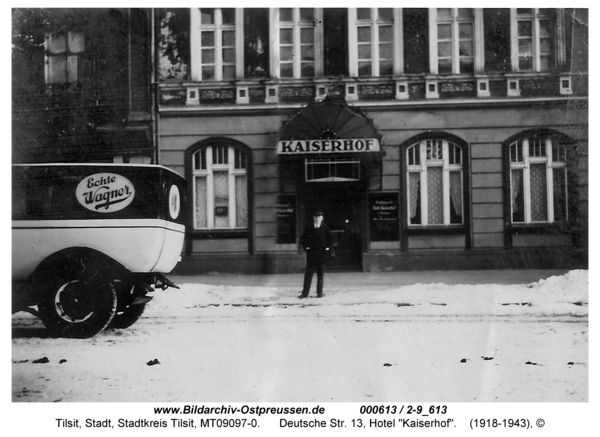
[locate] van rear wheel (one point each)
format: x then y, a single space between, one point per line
78 309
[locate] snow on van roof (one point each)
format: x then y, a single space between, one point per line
93 164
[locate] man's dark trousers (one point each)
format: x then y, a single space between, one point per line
315 262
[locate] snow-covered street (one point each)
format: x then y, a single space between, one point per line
240 340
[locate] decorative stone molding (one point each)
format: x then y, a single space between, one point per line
483 87
351 92
431 89
217 94
376 90
192 95
320 91
513 88
272 94
242 95
456 87
328 89
566 85
296 92
402 90
173 96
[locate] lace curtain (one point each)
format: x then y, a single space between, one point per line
221 191
539 190
414 188
435 195
560 195
456 192
515 187
241 201
200 203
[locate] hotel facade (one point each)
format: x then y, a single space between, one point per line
431 138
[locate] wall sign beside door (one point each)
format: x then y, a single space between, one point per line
384 217
286 219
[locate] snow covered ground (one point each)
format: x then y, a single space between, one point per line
556 296
513 351
260 343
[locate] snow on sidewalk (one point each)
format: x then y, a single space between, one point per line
565 295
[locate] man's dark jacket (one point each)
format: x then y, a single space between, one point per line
316 241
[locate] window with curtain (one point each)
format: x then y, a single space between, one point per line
435 183
220 187
538 180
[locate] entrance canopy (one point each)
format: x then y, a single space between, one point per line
327 129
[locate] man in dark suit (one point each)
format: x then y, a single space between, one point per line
316 241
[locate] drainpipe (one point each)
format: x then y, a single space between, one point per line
153 87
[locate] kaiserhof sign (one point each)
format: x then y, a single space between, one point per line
298 147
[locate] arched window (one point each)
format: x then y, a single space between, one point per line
538 180
435 183
220 187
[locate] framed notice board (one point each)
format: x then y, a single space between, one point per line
286 219
384 217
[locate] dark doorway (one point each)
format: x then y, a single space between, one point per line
342 206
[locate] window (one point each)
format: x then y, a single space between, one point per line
372 37
435 183
214 36
454 49
64 57
220 187
538 180
297 32
332 170
533 33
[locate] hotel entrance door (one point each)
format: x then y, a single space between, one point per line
343 212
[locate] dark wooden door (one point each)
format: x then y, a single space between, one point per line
343 213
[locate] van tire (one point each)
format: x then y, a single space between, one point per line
77 309
78 299
127 316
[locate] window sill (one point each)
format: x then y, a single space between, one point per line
437 230
537 228
215 234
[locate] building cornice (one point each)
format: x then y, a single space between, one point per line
372 106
